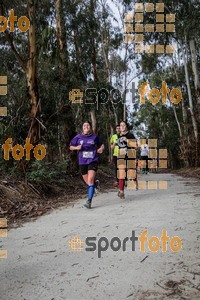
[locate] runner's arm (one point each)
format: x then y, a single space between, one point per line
132 142
100 150
112 143
75 147
74 144
99 144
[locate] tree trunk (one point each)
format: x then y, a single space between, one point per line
60 28
184 140
114 112
94 120
92 40
177 121
29 68
184 113
80 72
111 150
105 49
105 54
31 77
196 75
125 80
64 77
105 46
108 141
59 143
194 122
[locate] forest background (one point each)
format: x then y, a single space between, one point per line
77 44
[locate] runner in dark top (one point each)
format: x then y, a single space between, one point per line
126 141
89 146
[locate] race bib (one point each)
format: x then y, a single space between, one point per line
87 154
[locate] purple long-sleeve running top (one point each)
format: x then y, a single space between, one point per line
90 143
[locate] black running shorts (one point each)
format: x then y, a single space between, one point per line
85 168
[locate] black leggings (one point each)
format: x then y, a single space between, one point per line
146 159
115 163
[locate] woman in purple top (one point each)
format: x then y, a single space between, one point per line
89 146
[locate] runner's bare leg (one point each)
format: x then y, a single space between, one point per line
91 177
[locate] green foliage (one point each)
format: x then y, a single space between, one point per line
42 172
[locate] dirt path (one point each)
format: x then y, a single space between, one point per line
40 264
